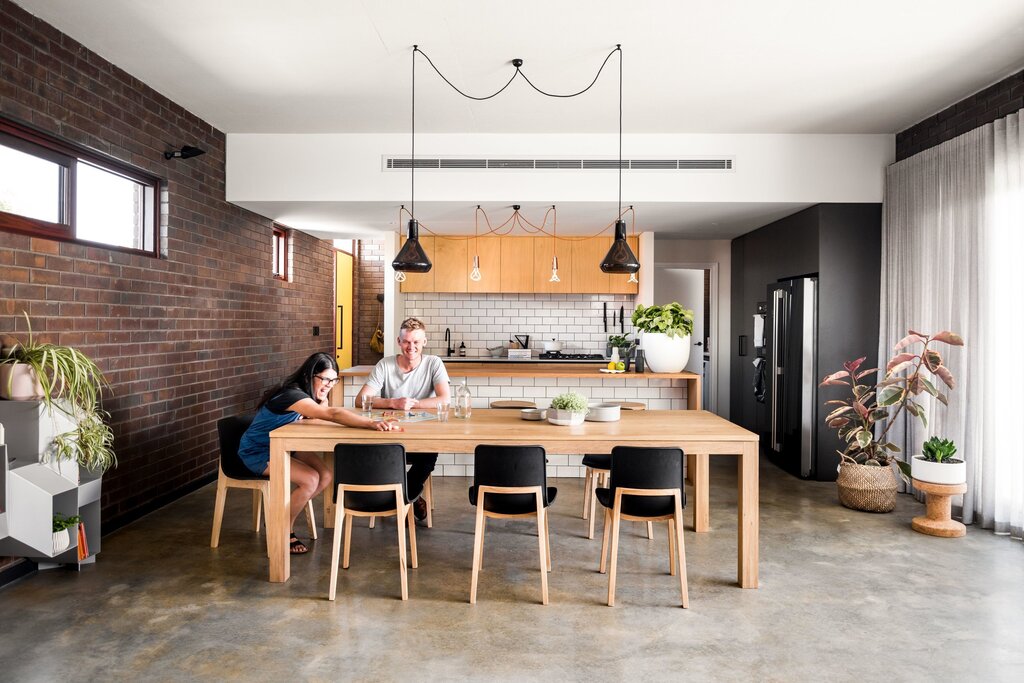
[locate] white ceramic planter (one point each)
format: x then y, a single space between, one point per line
61 541
663 353
565 418
19 383
938 472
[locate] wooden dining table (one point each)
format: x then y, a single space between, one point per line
695 431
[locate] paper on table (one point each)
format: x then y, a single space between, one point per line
759 330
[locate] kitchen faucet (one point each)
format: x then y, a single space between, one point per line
448 341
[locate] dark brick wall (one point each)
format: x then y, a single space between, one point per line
994 102
369 282
184 339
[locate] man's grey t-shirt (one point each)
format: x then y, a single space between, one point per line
388 381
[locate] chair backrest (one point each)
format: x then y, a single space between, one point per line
511 466
647 468
370 464
230 430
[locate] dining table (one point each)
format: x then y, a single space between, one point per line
694 431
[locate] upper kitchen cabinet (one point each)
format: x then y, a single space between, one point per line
489 251
423 282
618 283
517 264
543 249
451 272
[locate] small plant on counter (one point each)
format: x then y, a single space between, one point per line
571 401
620 340
60 522
939 450
671 319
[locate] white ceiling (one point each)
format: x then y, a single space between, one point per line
734 66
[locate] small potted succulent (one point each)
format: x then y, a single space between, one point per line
937 464
666 335
568 409
61 537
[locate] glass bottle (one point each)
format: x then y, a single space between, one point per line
463 401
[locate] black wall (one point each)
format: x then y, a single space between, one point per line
841 243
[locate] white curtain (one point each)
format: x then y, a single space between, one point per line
953 259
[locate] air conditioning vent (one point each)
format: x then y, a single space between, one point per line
404 163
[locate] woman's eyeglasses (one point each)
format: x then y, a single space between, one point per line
329 381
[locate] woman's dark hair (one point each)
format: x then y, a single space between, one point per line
302 379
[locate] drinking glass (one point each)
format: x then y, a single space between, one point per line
367 404
442 412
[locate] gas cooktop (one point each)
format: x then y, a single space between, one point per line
558 355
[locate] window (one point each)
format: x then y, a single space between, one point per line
280 267
54 189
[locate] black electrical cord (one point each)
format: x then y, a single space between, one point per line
519 72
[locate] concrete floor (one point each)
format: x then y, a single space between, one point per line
844 596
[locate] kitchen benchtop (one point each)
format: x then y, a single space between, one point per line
534 369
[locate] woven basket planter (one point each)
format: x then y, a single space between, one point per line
867 488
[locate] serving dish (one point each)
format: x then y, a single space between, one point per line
533 413
604 412
609 372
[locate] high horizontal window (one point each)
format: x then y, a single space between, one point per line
53 189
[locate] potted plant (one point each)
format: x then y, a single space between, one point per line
866 478
665 338
568 409
620 342
937 464
65 379
61 537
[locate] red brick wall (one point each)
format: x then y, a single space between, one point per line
184 339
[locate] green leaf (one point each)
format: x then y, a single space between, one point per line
904 469
890 395
863 438
929 387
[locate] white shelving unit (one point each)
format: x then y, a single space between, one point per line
35 486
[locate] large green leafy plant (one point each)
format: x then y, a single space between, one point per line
906 380
671 319
72 383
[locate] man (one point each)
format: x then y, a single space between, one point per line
410 381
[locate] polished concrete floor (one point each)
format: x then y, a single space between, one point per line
844 596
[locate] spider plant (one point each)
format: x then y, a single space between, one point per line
90 443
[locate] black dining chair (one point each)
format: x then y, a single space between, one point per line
233 474
598 470
511 481
371 482
646 486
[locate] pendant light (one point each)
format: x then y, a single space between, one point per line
620 258
411 258
475 275
554 251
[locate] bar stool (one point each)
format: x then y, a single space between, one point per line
233 474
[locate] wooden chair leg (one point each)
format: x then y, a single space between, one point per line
616 522
604 540
373 521
218 511
428 496
339 513
478 549
671 547
311 519
543 545
650 531
593 503
403 511
586 494
264 493
547 536
348 540
681 554
257 509
411 520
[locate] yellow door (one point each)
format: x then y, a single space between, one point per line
343 310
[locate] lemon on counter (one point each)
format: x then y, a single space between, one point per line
611 365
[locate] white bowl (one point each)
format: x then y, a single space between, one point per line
565 418
604 412
533 413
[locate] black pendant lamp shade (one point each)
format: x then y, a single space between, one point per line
411 258
620 258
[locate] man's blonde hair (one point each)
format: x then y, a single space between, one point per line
410 324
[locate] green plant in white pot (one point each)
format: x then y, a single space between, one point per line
665 338
568 409
937 465
61 536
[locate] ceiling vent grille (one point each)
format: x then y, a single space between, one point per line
404 163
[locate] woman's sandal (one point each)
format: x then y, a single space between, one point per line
297 546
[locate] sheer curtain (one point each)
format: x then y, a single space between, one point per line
953 259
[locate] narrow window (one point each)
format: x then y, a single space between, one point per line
280 268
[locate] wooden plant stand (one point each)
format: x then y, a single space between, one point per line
937 520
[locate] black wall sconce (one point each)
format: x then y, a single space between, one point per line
186 152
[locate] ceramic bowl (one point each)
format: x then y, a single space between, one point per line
533 413
604 412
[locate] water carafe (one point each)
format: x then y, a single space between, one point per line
463 401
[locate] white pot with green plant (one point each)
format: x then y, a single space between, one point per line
621 342
665 336
568 409
937 465
67 382
61 535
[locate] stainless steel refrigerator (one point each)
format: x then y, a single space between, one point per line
791 352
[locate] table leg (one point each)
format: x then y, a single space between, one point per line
701 496
279 509
749 524
693 394
329 494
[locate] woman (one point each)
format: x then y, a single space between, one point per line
302 394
